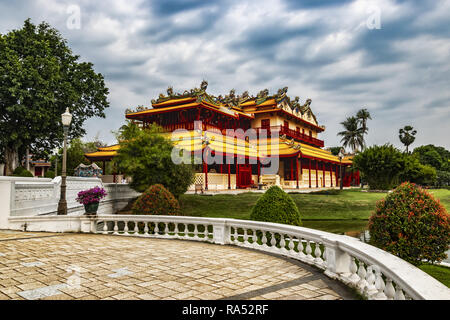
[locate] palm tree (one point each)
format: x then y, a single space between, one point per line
406 136
353 136
363 115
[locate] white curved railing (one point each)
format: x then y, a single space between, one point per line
375 273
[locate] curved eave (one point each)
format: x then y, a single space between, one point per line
173 102
142 115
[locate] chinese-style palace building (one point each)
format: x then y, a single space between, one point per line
284 131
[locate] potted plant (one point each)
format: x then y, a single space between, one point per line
90 199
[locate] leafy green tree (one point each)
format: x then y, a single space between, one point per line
335 150
418 173
381 166
40 77
406 136
146 156
75 155
437 157
353 135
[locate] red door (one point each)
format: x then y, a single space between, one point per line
244 178
38 171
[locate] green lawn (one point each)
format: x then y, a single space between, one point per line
440 273
347 205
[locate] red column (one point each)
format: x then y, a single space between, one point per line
237 173
336 175
309 167
292 169
301 167
205 171
317 173
229 176
331 174
259 169
323 173
296 171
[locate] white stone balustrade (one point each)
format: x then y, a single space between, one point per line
39 196
375 273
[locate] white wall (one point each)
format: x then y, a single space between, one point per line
34 197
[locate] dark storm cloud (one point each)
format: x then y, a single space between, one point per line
320 49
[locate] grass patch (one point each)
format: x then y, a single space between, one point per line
440 273
345 205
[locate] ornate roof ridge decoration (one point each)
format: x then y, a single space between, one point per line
231 100
290 142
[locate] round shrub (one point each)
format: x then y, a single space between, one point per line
22 172
276 206
50 174
156 200
411 224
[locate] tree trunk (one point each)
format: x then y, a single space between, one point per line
11 159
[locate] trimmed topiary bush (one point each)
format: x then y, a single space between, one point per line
156 200
277 206
49 174
22 172
411 224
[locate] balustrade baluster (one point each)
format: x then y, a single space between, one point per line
245 236
175 230
362 284
318 253
105 227
116 228
136 228
379 284
273 241
165 230
146 228
125 228
389 290
255 238
156 230
399 293
282 243
354 278
235 236
308 251
291 244
264 239
300 249
195 231
370 290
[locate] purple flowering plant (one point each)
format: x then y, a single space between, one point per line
93 195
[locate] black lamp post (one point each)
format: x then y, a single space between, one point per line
341 155
66 118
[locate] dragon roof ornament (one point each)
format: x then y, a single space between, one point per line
232 100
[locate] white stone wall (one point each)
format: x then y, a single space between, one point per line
35 197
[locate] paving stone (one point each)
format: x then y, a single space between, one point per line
112 267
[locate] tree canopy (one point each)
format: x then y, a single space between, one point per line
40 77
146 156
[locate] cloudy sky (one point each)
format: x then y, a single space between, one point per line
392 57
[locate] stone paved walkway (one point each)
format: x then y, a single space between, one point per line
76 266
